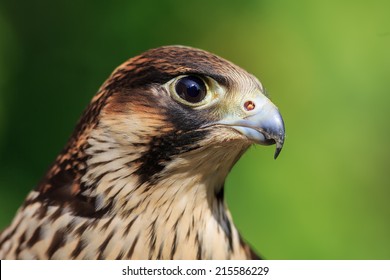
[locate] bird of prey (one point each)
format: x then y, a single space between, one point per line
142 176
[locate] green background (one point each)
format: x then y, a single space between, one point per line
326 64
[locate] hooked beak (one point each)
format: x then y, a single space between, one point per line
262 123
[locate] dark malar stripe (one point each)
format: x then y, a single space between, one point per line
161 151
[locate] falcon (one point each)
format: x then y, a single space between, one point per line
142 176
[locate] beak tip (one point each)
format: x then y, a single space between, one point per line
277 152
279 146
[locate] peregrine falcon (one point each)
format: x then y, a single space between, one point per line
142 176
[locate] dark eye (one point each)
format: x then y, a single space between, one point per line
191 89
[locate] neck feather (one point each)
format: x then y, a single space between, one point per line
182 204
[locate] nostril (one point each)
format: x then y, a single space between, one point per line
249 105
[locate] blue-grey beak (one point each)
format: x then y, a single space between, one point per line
262 123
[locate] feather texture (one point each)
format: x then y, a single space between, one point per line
142 175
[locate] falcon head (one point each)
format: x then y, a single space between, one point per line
186 107
177 114
142 175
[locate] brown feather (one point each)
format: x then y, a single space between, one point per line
139 178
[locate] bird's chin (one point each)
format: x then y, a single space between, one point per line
255 135
261 137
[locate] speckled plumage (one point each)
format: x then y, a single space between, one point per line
142 175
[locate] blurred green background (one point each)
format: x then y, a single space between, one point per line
326 64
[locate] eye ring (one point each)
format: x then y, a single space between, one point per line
191 89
